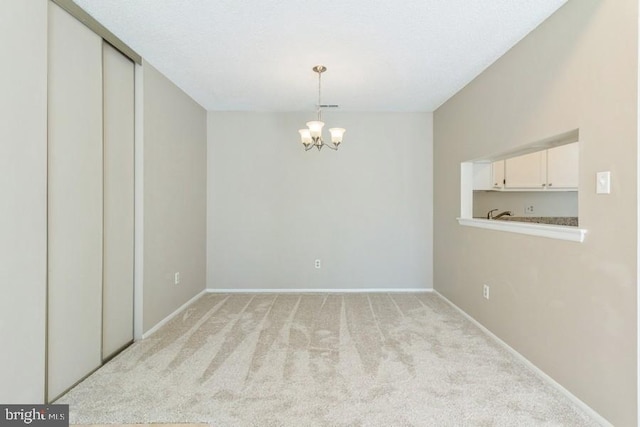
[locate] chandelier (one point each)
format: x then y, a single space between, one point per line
312 136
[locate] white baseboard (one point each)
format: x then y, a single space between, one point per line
172 315
317 291
586 408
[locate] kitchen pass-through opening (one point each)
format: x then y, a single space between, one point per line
532 189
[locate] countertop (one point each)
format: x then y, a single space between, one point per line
571 221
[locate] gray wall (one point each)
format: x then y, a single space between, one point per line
570 308
365 210
175 157
23 185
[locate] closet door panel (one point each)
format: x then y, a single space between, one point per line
118 201
74 202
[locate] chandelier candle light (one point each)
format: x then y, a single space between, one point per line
312 136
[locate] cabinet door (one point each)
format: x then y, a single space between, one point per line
562 166
482 179
497 174
75 202
528 171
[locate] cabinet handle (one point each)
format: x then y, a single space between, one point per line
550 184
544 185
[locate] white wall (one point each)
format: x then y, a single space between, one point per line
23 185
175 157
365 210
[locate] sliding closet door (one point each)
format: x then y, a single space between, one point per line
75 202
118 202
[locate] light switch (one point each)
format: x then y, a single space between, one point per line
603 183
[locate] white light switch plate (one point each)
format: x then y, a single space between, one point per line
603 183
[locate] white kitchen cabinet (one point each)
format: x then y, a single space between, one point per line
562 167
526 172
552 169
482 176
488 176
497 175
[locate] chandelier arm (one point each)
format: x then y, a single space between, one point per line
329 146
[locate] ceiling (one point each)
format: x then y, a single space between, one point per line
257 55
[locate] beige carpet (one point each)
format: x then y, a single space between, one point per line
320 360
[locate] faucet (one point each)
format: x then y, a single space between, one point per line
500 215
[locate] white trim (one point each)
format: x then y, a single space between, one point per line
531 190
545 377
316 291
637 236
138 178
466 189
561 232
172 315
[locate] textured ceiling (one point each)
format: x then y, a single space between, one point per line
257 55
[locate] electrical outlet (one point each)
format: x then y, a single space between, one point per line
176 278
318 264
528 209
485 291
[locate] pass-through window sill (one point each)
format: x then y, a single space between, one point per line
560 232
